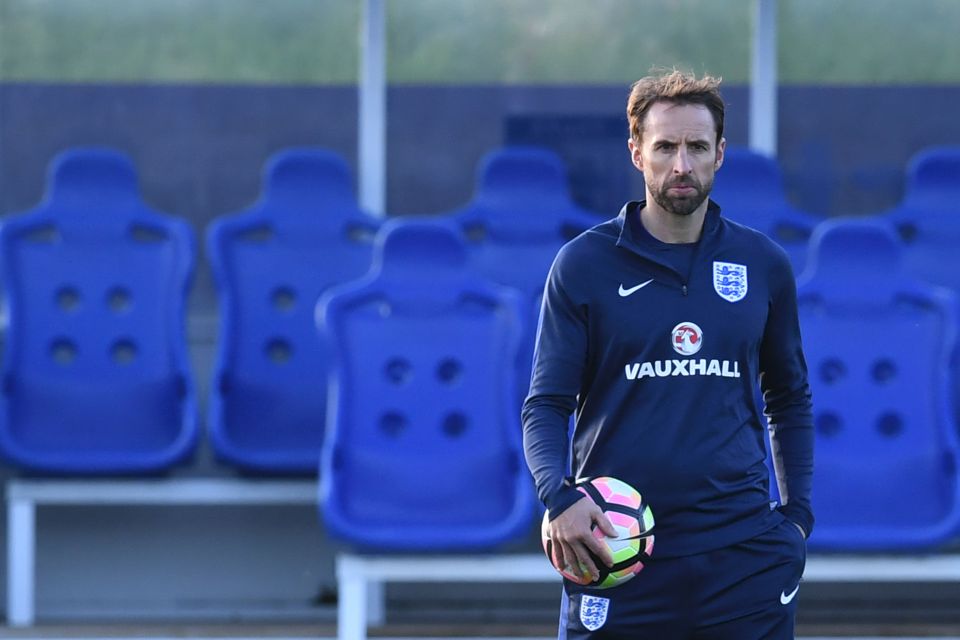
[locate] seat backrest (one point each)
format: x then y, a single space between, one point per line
271 263
928 218
520 216
96 374
749 182
522 195
933 182
423 437
878 344
750 190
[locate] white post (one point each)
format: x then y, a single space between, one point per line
763 79
21 522
351 599
372 138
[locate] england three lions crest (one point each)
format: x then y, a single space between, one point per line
593 611
730 280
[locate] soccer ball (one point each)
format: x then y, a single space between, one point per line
633 520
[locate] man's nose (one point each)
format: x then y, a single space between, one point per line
681 163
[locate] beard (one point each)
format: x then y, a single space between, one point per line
682 205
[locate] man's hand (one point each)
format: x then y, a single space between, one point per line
573 539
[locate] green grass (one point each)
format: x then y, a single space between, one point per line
859 42
236 41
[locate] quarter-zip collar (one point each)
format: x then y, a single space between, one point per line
711 227
709 236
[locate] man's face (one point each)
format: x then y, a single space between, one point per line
678 156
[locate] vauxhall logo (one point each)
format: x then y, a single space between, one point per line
696 367
686 339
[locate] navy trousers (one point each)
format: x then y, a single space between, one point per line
747 591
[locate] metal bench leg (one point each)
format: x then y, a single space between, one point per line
352 600
21 541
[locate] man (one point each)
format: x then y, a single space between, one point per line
655 328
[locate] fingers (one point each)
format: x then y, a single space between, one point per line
588 568
605 525
599 547
565 559
574 539
559 555
573 565
594 541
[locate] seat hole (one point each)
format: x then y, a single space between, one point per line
908 231
123 351
828 424
455 424
63 351
393 423
398 371
68 299
119 300
449 371
832 370
884 370
890 425
284 299
279 351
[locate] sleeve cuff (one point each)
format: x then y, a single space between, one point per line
563 500
798 516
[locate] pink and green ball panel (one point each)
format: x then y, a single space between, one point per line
617 492
647 545
627 526
647 517
623 550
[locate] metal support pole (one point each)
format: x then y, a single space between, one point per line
763 79
372 138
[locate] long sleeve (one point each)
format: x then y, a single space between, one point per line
786 393
555 383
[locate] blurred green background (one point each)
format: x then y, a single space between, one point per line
314 42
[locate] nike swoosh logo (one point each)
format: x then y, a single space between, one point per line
625 292
787 598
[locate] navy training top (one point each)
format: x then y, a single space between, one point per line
661 368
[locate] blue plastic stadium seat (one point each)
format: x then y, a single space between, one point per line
423 445
928 218
520 216
271 263
749 189
95 373
878 344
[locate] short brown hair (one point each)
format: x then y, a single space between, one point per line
676 87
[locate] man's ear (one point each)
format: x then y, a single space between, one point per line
721 147
635 156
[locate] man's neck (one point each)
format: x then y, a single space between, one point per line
671 228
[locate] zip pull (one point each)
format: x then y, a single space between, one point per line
684 289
